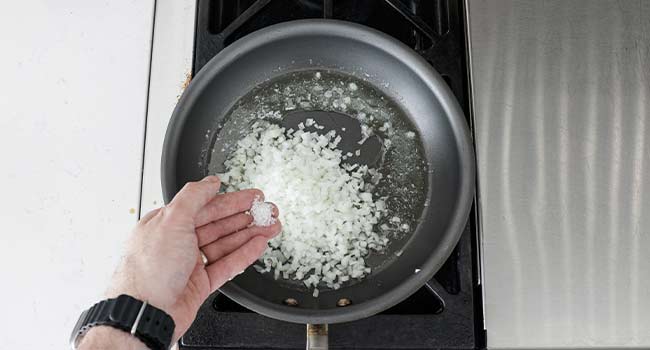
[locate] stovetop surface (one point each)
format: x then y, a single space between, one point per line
446 316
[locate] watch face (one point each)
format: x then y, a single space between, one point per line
75 340
76 335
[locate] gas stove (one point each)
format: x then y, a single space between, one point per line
561 258
445 315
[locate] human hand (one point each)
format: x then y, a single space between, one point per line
163 265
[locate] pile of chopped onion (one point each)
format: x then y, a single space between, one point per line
327 208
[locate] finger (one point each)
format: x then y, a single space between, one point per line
148 216
194 196
230 243
275 212
211 232
229 266
227 204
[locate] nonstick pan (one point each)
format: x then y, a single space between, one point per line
398 72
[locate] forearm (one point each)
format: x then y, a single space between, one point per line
106 337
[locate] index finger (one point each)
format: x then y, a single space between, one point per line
227 204
195 195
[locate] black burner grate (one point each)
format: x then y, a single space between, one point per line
446 316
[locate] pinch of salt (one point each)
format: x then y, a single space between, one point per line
262 213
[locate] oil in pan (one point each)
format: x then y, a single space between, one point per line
381 126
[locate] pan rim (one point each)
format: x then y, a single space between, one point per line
433 81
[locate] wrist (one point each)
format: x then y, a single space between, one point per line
107 337
152 299
130 281
130 318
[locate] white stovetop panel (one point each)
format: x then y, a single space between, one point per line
171 69
73 96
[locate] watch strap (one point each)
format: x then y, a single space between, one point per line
151 325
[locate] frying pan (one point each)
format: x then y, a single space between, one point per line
389 66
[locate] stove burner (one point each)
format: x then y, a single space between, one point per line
446 313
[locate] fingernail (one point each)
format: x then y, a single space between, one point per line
274 211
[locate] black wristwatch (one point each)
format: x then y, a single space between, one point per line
151 325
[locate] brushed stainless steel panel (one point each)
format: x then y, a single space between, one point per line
561 99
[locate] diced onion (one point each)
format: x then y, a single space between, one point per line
328 212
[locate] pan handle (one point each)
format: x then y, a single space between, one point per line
317 338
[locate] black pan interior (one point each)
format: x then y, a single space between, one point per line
399 73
